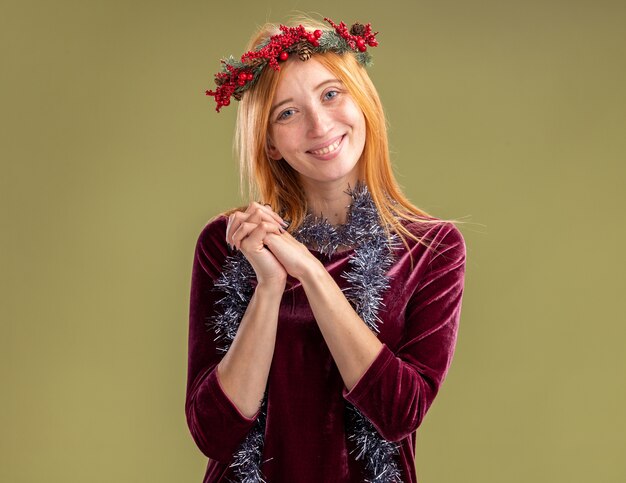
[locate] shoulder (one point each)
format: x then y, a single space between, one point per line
435 229
450 244
211 248
442 237
216 226
214 231
449 234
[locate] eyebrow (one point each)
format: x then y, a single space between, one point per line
276 106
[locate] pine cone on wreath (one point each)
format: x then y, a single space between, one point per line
304 50
254 63
357 29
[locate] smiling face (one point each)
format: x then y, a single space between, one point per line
315 125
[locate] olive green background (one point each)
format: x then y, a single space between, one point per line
509 115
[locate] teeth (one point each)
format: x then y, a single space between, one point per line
329 149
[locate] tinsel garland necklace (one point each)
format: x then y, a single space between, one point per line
372 257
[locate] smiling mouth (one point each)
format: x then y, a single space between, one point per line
328 149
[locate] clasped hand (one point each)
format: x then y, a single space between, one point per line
271 250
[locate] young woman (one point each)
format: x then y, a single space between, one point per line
317 341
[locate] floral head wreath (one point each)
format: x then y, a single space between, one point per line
237 76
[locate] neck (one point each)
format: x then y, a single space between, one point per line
330 200
362 222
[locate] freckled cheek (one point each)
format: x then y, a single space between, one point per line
282 136
354 114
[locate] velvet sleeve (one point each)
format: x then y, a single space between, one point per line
216 424
397 389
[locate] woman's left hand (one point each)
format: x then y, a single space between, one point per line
293 255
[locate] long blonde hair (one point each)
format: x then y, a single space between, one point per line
277 184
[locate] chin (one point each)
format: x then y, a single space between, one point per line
321 177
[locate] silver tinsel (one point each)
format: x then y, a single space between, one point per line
373 256
247 459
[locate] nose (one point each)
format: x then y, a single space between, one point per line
319 123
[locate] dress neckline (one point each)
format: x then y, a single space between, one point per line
334 255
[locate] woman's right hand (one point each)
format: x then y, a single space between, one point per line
246 231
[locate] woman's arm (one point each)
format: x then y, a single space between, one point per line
394 391
350 341
244 369
222 403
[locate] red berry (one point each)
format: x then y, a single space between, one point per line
249 76
373 43
241 82
362 48
225 102
360 41
317 33
284 55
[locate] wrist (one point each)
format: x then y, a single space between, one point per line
272 287
314 272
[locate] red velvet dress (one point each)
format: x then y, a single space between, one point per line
305 436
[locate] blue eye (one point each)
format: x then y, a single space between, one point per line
328 96
284 115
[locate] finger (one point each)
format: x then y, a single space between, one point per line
234 222
269 237
244 229
253 233
260 215
268 209
228 225
253 214
260 234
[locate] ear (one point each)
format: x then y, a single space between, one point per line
272 150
